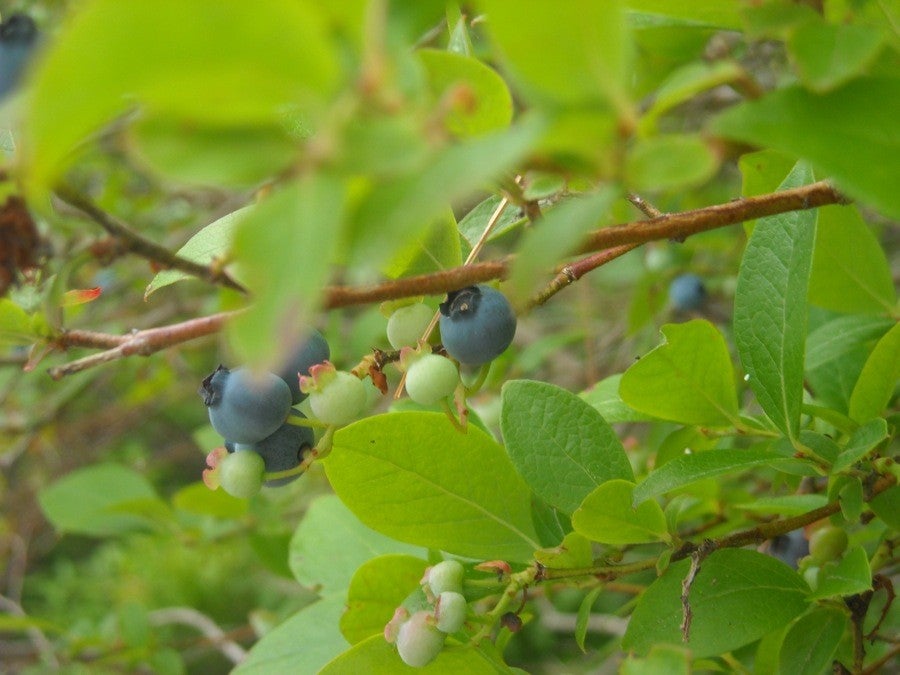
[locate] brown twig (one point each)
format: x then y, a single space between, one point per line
606 244
142 342
574 271
686 223
760 533
644 206
141 246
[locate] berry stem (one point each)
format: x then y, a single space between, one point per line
479 380
305 422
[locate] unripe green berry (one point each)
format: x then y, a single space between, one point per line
450 611
407 325
340 401
827 543
418 641
431 378
241 473
447 575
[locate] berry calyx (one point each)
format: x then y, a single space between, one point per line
477 324
335 396
244 407
429 377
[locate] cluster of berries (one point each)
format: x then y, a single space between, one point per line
254 414
421 625
266 439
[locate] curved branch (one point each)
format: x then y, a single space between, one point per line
141 246
604 245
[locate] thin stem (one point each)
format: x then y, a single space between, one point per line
644 206
141 246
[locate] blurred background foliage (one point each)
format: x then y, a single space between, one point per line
93 571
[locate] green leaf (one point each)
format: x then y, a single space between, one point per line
286 248
435 486
842 335
374 656
863 441
199 499
811 642
878 379
210 155
887 507
376 590
685 83
850 272
832 383
608 516
588 41
572 553
551 525
850 134
605 399
851 575
15 325
206 62
403 207
761 173
662 660
788 505
484 102
85 501
557 234
688 378
770 308
696 12
694 467
330 544
828 55
737 597
669 163
475 221
438 248
584 616
302 644
561 446
211 243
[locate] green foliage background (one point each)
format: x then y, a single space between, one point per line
301 145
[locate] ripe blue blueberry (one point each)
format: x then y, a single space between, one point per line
789 548
313 350
18 35
243 407
282 450
477 324
687 292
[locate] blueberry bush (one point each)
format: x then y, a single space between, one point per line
554 337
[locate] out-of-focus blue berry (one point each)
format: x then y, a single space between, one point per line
18 35
245 408
687 292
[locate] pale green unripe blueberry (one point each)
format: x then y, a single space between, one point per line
431 378
418 641
450 611
827 543
340 401
407 325
241 473
445 576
